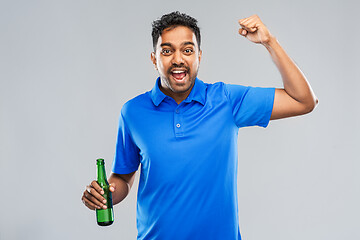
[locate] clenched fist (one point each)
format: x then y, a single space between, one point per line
253 29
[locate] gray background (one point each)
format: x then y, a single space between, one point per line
67 67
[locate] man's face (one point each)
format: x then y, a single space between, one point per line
177 59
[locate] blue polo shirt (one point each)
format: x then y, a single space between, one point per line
188 154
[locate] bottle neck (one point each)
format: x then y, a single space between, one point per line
101 174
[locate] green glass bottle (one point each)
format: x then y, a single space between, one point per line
104 217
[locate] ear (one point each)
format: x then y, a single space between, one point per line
200 54
153 59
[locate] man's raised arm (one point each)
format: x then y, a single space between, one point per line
297 97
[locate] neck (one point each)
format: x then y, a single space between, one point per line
177 96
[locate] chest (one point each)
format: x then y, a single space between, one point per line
185 126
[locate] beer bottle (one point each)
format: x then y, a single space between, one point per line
104 217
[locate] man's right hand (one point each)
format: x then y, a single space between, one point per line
92 196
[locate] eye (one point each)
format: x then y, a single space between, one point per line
166 52
188 51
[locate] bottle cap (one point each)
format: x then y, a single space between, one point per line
100 161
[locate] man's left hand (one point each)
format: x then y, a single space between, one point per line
253 29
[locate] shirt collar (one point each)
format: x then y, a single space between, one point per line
198 93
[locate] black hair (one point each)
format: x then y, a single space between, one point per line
174 19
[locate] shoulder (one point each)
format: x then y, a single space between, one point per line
215 87
225 89
133 105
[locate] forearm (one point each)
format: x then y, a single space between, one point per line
295 83
122 185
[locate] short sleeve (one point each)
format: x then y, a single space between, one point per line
127 158
251 106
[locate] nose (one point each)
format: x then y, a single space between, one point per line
177 58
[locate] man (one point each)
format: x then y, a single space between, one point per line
183 133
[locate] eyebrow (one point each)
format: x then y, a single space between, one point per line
188 43
183 44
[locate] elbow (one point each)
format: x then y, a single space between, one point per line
316 101
311 105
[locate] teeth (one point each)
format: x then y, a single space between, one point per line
178 71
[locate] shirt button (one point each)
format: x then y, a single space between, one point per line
177 111
178 125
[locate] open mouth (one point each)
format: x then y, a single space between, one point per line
179 75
